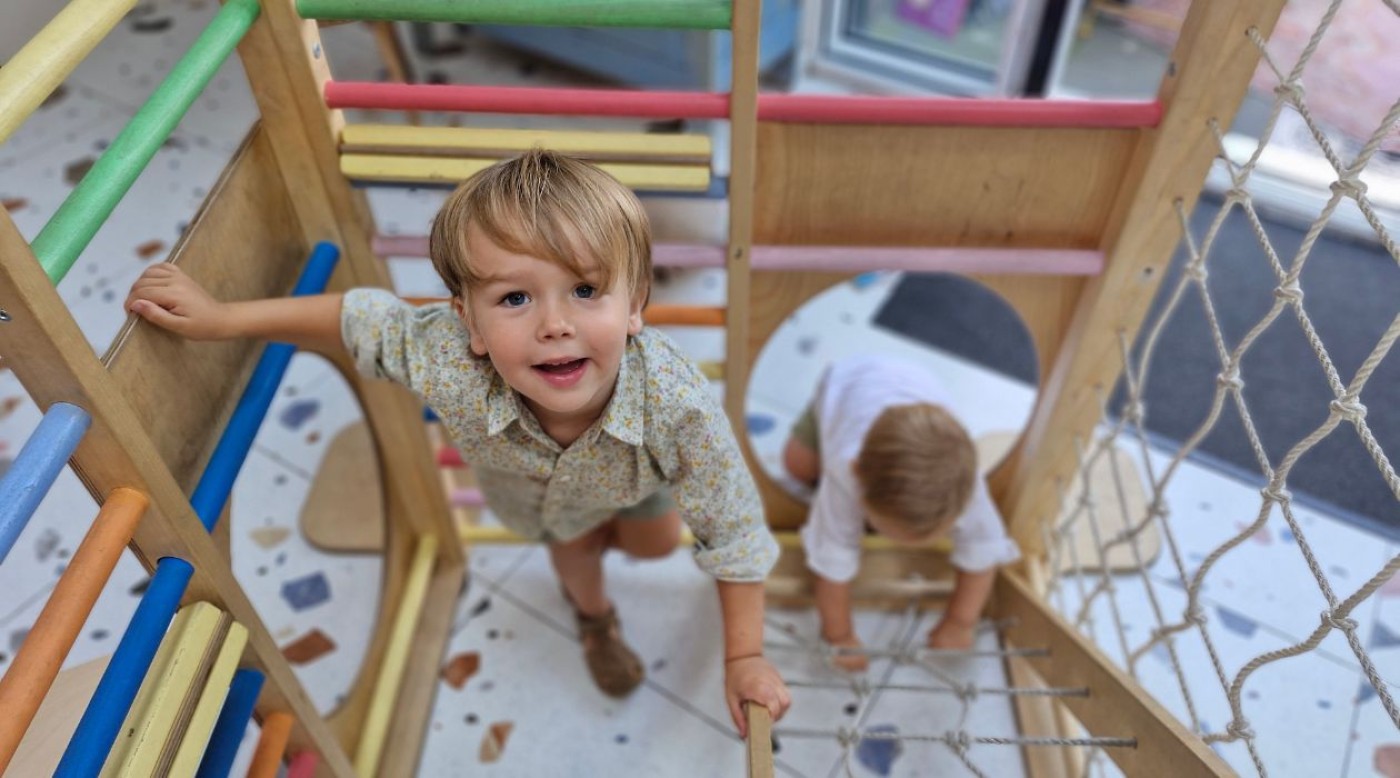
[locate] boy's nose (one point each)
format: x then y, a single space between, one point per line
554 324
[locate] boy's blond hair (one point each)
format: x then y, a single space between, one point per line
551 207
917 467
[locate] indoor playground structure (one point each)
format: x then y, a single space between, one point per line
1069 210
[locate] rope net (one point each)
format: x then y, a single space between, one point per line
1179 634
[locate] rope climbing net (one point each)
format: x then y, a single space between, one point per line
1089 594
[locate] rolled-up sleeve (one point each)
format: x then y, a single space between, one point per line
716 497
413 346
980 541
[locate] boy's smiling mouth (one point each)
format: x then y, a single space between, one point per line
562 373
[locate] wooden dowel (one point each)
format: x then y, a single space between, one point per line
40 66
957 111
391 669
394 168
36 467
41 655
272 744
661 14
684 315
631 103
494 143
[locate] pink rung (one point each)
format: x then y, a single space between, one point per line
467 498
953 111
551 102
859 259
303 765
662 254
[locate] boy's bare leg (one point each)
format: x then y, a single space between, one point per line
579 564
802 462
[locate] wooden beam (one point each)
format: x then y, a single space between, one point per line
54 362
1206 78
743 159
1116 706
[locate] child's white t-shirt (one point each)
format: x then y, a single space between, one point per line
850 397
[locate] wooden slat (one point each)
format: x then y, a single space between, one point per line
185 761
402 169
1116 706
168 695
498 143
666 14
54 362
760 741
1206 79
743 160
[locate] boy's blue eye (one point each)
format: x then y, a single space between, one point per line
515 299
585 291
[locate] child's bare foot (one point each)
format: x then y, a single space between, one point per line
851 663
616 668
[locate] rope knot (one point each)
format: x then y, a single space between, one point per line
958 741
1134 412
1159 509
1239 730
1276 492
1237 194
861 687
1291 91
1349 185
1196 616
1229 378
1290 291
1347 625
847 738
966 692
1196 268
1349 408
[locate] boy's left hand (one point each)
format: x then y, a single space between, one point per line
952 634
754 679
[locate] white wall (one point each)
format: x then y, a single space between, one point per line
22 19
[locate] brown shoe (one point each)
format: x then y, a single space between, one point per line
615 668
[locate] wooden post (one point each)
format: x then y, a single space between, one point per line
743 157
1206 79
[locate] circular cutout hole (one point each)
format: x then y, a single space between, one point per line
963 334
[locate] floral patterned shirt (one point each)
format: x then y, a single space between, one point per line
660 429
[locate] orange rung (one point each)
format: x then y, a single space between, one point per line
267 759
41 656
684 315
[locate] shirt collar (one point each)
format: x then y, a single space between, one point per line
502 406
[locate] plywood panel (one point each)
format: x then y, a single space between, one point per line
937 186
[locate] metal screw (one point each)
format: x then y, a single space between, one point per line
4 316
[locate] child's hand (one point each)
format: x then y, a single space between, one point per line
754 679
952 634
851 663
168 298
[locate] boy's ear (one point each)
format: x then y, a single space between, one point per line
634 317
478 344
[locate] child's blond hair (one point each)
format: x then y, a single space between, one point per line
917 467
551 207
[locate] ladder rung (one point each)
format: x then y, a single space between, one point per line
663 14
495 144
436 170
632 103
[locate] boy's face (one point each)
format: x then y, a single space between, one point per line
557 339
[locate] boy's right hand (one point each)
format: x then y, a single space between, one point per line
168 298
851 663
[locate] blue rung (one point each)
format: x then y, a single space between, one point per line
232 723
102 720
32 474
428 415
232 450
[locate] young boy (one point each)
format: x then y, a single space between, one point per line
586 431
881 447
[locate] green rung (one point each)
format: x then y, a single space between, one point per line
690 14
73 226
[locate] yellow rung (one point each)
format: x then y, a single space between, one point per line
495 144
386 687
437 170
